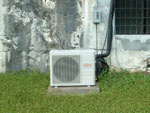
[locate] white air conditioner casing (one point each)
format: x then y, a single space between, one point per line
72 67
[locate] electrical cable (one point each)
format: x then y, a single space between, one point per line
96 31
96 40
101 64
110 33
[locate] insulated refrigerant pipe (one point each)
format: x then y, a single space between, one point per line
110 33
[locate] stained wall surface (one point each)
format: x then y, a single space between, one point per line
31 28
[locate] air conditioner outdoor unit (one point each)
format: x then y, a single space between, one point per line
72 67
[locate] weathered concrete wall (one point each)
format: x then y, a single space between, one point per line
2 53
31 28
130 52
27 27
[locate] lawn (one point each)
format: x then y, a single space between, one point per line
121 92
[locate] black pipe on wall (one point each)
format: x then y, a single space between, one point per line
110 32
101 64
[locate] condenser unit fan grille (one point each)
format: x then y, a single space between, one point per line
66 69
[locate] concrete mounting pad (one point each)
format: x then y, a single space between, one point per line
74 90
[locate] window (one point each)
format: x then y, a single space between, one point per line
132 17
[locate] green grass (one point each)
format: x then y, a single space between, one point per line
121 92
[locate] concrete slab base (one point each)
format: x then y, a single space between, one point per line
73 90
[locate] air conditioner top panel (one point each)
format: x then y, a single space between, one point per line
72 52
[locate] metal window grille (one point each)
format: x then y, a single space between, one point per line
132 17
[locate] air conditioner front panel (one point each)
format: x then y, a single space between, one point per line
66 69
72 67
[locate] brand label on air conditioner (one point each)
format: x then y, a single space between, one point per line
87 65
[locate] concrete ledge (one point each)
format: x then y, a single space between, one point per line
74 90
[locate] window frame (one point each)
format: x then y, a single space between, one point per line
127 25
